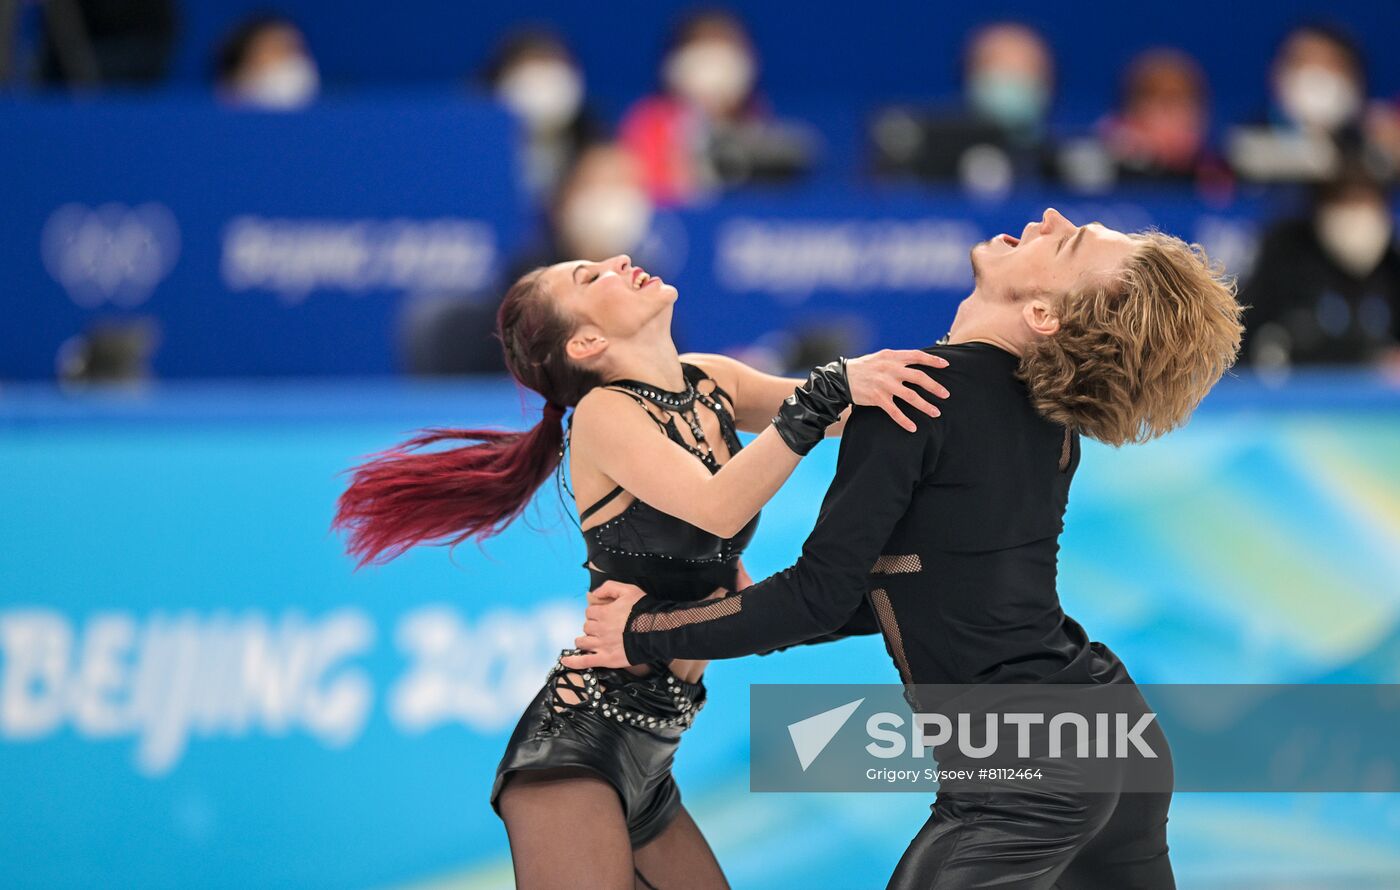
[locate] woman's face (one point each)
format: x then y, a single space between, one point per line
613 296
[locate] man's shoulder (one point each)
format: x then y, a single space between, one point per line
979 377
971 362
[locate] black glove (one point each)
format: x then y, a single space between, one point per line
814 406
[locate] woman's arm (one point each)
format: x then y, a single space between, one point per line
876 379
616 436
878 473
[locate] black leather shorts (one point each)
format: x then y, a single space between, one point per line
611 722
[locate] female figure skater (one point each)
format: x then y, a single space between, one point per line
585 785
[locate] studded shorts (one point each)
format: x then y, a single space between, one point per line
614 723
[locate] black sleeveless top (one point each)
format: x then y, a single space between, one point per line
666 556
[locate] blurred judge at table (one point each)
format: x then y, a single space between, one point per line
1320 114
996 136
1159 133
264 63
1326 286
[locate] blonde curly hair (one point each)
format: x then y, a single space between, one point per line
1134 354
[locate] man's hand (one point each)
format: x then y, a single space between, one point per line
604 621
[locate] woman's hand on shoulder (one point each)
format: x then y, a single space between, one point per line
878 379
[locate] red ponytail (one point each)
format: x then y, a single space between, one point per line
399 498
403 497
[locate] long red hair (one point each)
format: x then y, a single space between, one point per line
407 496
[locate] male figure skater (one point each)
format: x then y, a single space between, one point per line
950 535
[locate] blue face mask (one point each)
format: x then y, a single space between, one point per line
1009 99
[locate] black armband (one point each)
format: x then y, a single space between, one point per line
817 404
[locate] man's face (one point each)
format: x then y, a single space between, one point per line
1052 257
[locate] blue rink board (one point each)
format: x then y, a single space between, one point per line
196 690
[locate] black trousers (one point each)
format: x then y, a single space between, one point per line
1041 841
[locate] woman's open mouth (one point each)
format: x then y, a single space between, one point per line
641 279
1010 239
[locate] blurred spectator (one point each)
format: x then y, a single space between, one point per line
998 135
534 75
1318 87
600 210
106 42
1326 288
264 63
708 128
109 352
1318 80
1160 129
1008 79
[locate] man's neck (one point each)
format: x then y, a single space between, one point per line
983 334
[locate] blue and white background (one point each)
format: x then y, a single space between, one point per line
197 690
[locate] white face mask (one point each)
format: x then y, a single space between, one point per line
1318 97
545 94
714 74
1356 236
605 220
291 83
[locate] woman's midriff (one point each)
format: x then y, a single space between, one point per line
688 670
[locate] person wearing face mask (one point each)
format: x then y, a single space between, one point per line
598 210
534 75
1008 79
1159 133
1318 115
1326 287
1318 80
264 63
707 129
997 135
602 209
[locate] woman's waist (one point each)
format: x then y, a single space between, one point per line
656 699
662 579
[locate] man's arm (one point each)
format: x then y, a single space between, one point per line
878 470
861 623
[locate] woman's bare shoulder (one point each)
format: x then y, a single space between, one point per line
722 369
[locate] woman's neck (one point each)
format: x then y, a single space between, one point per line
656 363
